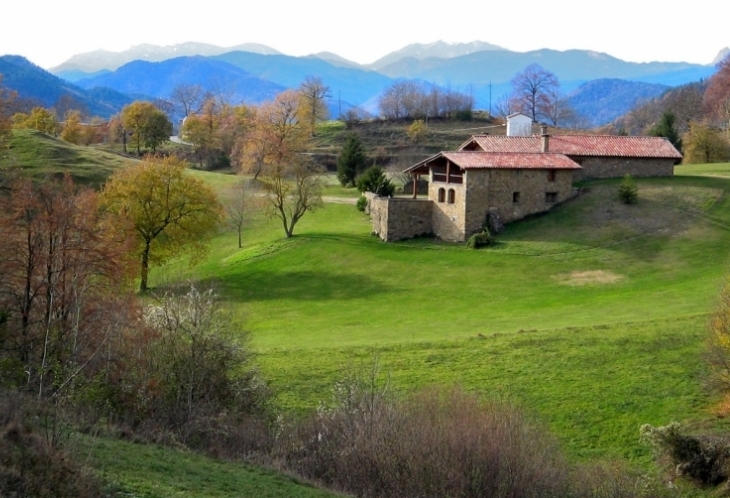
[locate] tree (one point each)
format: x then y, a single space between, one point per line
374 180
716 101
72 130
666 128
718 353
156 130
168 211
704 144
417 130
189 98
313 106
293 190
7 105
531 90
60 279
40 119
146 123
240 205
628 192
351 161
276 135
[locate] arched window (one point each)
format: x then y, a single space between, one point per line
452 196
442 195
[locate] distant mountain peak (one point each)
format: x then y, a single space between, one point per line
721 55
334 59
97 60
439 49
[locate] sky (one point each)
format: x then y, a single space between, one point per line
49 32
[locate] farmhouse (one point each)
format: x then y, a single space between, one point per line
494 179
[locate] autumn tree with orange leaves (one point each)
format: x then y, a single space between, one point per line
61 272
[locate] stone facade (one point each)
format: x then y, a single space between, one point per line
397 218
461 210
618 167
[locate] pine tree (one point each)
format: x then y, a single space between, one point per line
351 161
666 128
374 180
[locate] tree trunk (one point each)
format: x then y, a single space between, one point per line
145 267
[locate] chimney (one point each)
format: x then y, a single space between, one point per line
545 139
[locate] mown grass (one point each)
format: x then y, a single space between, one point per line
592 316
152 471
37 155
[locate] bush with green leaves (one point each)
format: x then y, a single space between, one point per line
362 203
374 180
481 239
628 192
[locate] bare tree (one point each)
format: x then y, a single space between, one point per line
241 205
531 90
313 106
188 97
293 190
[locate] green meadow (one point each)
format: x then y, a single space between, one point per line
593 316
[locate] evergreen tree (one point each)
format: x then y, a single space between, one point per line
667 128
375 181
351 161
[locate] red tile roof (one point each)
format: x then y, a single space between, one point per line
510 160
504 160
581 145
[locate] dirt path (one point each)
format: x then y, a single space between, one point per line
338 200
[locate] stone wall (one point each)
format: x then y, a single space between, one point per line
448 218
398 218
617 167
495 189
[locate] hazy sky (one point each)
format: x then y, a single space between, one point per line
48 32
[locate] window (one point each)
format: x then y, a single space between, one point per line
551 175
442 195
515 197
452 196
551 197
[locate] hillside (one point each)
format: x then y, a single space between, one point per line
602 101
36 84
596 297
37 155
158 79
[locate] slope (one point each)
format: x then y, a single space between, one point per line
36 84
37 155
157 79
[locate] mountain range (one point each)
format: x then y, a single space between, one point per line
253 73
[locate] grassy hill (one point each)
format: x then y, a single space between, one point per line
592 316
37 155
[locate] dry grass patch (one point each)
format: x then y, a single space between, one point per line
580 278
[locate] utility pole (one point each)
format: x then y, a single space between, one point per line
490 99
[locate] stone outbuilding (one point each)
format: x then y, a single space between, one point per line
495 179
601 156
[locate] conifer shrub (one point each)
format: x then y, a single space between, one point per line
628 192
374 180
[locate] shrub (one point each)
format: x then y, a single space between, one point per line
628 192
182 372
374 180
33 464
362 203
702 459
480 239
436 443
